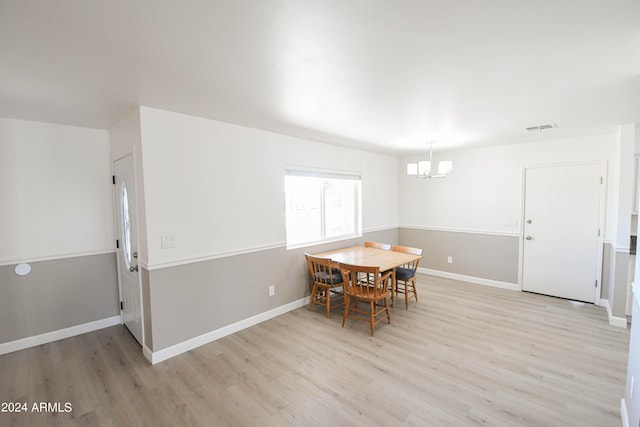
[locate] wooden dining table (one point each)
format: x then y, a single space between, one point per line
371 257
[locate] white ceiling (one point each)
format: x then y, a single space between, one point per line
387 75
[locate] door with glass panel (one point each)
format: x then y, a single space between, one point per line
127 252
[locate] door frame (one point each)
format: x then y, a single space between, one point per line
137 237
601 220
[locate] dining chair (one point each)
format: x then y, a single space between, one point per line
367 285
327 281
406 275
377 245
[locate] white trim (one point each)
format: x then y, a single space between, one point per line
23 343
384 228
56 257
620 322
471 279
322 242
624 414
245 251
146 351
305 172
635 289
212 256
183 347
603 303
604 173
315 171
461 230
625 249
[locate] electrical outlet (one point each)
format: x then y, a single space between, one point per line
449 260
272 290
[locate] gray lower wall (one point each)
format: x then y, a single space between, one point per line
57 294
146 308
608 256
633 368
184 302
615 279
485 256
391 236
617 294
190 300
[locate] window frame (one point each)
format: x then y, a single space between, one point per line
355 177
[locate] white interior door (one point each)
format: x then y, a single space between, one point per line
561 230
128 276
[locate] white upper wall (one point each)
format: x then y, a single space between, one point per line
624 185
218 188
55 191
484 191
126 139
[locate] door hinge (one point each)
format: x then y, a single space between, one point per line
121 305
117 244
598 232
596 283
601 180
113 179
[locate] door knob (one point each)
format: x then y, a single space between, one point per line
528 237
133 268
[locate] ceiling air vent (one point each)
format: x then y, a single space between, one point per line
542 127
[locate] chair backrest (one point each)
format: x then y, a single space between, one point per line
413 265
377 245
364 281
407 249
323 271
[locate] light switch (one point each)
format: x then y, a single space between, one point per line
167 241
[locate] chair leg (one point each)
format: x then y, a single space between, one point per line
394 288
372 311
386 306
406 295
415 291
328 298
347 304
314 292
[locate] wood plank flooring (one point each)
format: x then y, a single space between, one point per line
464 355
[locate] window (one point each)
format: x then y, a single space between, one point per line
321 207
126 225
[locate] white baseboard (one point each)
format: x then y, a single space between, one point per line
471 279
624 414
183 347
146 351
21 344
620 322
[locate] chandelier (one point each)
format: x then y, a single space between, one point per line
422 169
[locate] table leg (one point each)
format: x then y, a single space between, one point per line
393 285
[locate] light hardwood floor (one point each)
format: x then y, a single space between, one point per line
463 355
